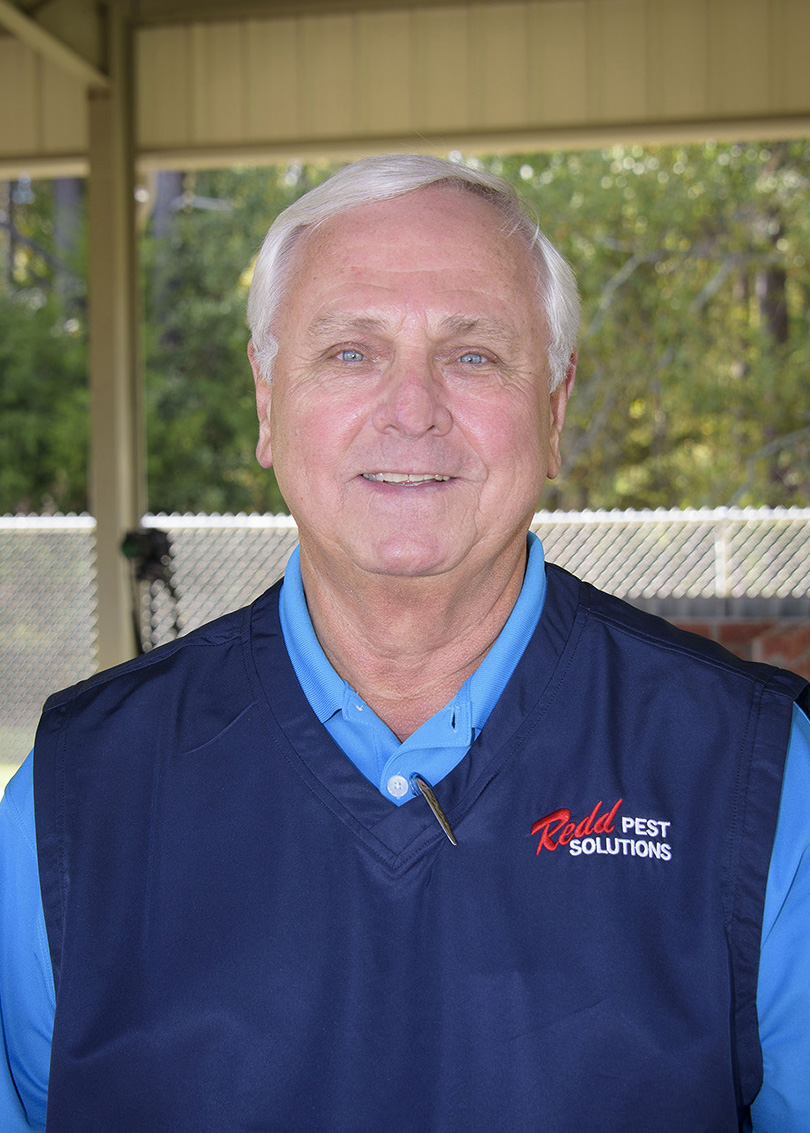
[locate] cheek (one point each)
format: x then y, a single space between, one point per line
294 421
312 433
511 437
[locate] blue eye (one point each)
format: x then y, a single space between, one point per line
473 358
350 355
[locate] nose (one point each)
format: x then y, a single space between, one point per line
412 402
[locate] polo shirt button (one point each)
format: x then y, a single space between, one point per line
397 786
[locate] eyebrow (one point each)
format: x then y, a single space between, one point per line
345 323
341 323
490 328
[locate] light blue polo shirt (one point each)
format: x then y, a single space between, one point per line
441 742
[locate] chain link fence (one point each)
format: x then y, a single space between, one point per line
47 584
47 618
724 554
219 564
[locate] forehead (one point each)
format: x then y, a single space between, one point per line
439 243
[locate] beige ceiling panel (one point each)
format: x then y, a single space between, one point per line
740 60
163 89
219 82
441 75
558 62
617 60
64 120
678 59
77 24
328 61
791 75
558 69
273 74
454 73
19 88
383 92
499 70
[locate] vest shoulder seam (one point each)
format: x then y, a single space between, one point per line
200 638
661 634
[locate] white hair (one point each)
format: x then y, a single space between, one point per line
382 178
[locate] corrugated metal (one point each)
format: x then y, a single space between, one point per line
536 72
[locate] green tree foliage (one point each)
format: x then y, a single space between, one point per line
43 349
201 412
43 407
694 268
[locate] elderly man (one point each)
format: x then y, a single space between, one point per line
432 836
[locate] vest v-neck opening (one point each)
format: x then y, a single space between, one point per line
399 835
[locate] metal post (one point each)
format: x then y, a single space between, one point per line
117 479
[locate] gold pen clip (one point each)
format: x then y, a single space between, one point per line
420 785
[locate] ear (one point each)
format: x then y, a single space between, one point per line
558 403
264 389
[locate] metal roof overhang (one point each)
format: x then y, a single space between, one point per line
112 89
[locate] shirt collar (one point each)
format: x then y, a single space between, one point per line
463 717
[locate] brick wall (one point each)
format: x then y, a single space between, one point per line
778 641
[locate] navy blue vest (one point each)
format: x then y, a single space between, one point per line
246 935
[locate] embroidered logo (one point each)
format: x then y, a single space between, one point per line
640 837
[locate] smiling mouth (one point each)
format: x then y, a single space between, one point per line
405 477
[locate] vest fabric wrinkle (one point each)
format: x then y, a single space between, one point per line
246 935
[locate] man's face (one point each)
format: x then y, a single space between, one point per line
409 418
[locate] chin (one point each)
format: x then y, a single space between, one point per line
408 558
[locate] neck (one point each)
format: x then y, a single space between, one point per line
406 645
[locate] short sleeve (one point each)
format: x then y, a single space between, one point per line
26 979
783 992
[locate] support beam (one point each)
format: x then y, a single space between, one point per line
117 477
47 45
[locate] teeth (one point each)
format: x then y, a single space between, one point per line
404 477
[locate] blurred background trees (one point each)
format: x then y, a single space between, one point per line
197 252
43 347
693 264
694 267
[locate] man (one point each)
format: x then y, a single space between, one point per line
431 837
